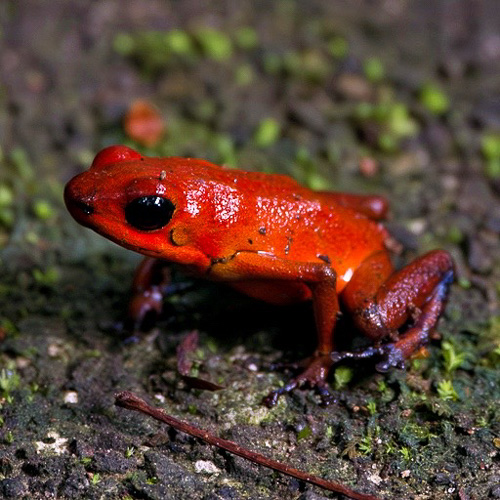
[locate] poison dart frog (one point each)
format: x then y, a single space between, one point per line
271 238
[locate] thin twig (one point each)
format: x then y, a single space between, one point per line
132 402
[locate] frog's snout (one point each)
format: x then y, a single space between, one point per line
79 205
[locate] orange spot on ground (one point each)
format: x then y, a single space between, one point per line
143 123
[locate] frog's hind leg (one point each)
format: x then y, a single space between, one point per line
381 302
372 206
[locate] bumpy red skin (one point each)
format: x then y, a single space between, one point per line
272 239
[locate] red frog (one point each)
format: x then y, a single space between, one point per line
271 238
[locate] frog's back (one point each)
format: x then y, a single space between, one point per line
273 213
279 217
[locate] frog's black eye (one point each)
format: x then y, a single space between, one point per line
148 213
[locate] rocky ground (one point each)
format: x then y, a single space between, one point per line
396 98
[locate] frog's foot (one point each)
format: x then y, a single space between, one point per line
391 356
144 308
369 352
313 376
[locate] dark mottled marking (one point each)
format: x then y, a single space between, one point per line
324 258
250 241
262 230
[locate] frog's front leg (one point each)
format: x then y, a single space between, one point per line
381 302
245 267
150 284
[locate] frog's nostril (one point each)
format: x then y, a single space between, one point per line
84 207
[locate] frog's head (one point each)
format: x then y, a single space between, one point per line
135 201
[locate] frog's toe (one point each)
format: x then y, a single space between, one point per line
313 376
392 357
326 395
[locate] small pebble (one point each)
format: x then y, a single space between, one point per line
206 467
70 397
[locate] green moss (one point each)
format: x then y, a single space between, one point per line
388 142
329 432
372 407
246 38
19 158
9 381
244 75
490 148
43 210
7 217
306 172
304 433
338 47
446 391
342 375
434 99
124 44
382 386
153 51
311 65
365 445
205 109
32 238
6 324
490 145
374 69
226 150
399 121
489 342
93 353
9 437
267 132
405 452
464 283
413 433
455 235
214 44
48 277
452 358
6 195
179 42
393 119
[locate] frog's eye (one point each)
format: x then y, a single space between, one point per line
148 213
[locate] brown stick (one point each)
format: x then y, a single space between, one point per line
132 402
